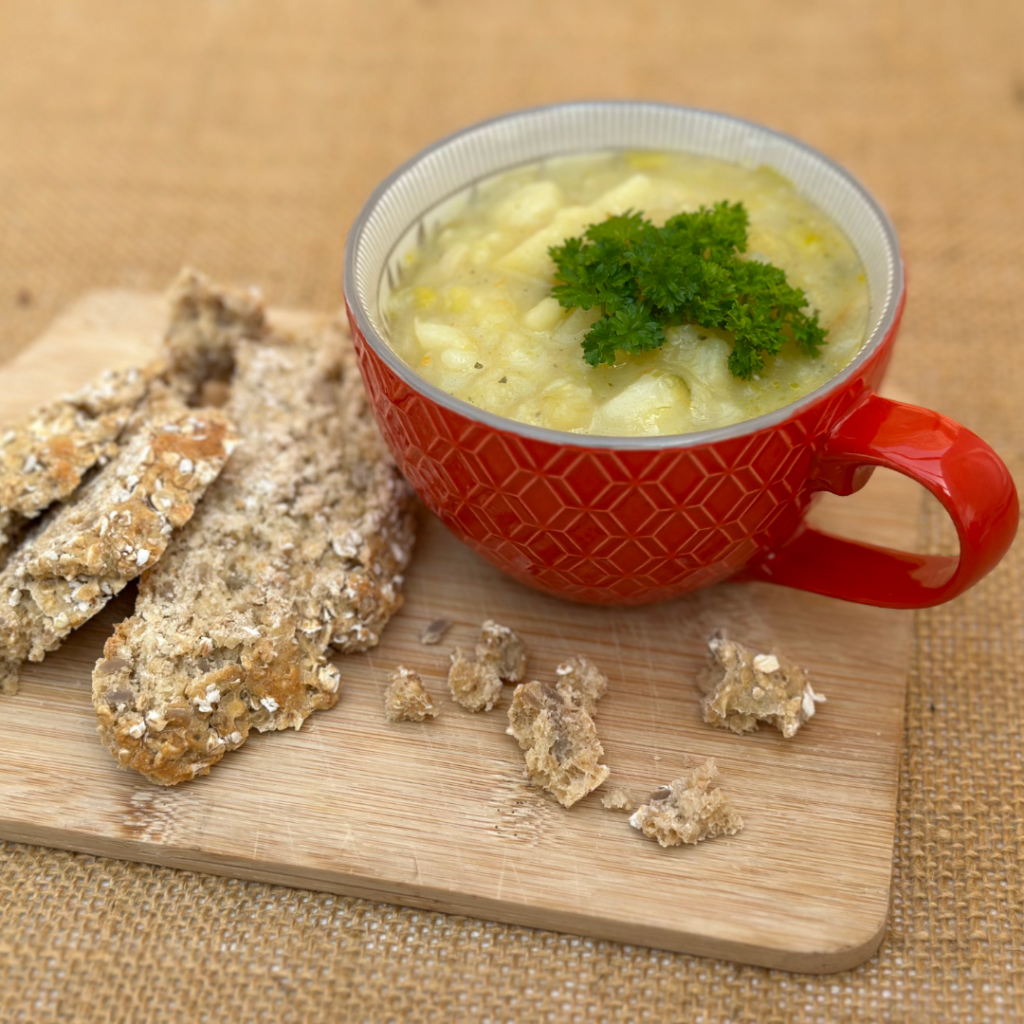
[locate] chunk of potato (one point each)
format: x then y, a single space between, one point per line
636 409
530 205
545 315
531 257
432 335
567 406
702 360
458 359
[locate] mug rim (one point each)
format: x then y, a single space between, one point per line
657 442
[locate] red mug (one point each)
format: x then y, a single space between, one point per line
626 520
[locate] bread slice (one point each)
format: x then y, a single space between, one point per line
300 544
44 459
115 526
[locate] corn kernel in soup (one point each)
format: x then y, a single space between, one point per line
474 313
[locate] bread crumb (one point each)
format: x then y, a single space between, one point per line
474 684
503 649
500 657
743 688
554 728
406 700
688 810
583 676
619 800
433 633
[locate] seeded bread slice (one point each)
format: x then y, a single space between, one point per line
300 544
44 459
114 526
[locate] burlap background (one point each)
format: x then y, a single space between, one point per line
243 136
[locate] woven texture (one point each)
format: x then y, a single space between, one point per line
243 137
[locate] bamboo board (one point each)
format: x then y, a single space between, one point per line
439 816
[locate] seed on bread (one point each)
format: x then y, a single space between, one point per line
207 323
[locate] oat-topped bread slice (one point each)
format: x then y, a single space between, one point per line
207 323
115 526
300 544
44 459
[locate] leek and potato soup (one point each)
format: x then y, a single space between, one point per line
716 293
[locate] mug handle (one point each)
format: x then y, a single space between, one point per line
963 472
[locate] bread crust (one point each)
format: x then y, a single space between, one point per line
207 323
299 545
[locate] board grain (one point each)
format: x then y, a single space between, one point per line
438 815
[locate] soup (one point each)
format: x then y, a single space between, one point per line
475 315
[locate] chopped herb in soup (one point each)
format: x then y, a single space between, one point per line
644 279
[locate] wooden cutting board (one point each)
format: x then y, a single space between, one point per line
439 816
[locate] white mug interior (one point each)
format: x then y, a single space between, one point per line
426 192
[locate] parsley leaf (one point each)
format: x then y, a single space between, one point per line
629 329
644 279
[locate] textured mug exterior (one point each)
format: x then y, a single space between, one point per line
602 525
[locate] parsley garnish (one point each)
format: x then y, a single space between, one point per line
644 279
